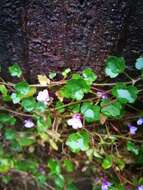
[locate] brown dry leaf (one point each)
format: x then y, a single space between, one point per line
103 119
53 144
43 79
59 96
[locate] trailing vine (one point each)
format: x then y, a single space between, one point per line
80 125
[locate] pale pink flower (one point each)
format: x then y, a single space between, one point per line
43 96
28 123
75 121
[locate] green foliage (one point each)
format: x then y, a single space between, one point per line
5 165
125 94
28 104
107 162
79 127
52 75
43 123
114 66
7 119
78 141
66 72
4 92
139 63
22 88
60 106
54 166
75 89
91 112
15 70
68 165
111 109
132 148
89 76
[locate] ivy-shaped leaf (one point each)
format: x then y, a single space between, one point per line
89 76
111 109
125 94
90 112
15 70
29 104
114 66
78 141
75 89
22 88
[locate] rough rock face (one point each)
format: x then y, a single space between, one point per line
55 34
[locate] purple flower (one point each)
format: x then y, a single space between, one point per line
105 184
140 187
28 123
132 129
140 121
43 96
75 121
102 95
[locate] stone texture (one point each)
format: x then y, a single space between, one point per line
55 34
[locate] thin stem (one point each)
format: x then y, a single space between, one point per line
15 112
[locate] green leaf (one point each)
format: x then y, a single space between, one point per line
75 89
15 98
26 141
7 119
5 165
90 112
111 109
3 90
52 75
78 141
114 66
132 148
89 76
40 107
125 94
54 166
120 163
6 179
71 186
29 104
139 63
59 107
22 88
43 123
41 179
29 165
69 166
66 72
76 76
74 108
59 181
107 162
15 70
10 134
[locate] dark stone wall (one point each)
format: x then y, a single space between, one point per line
54 34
